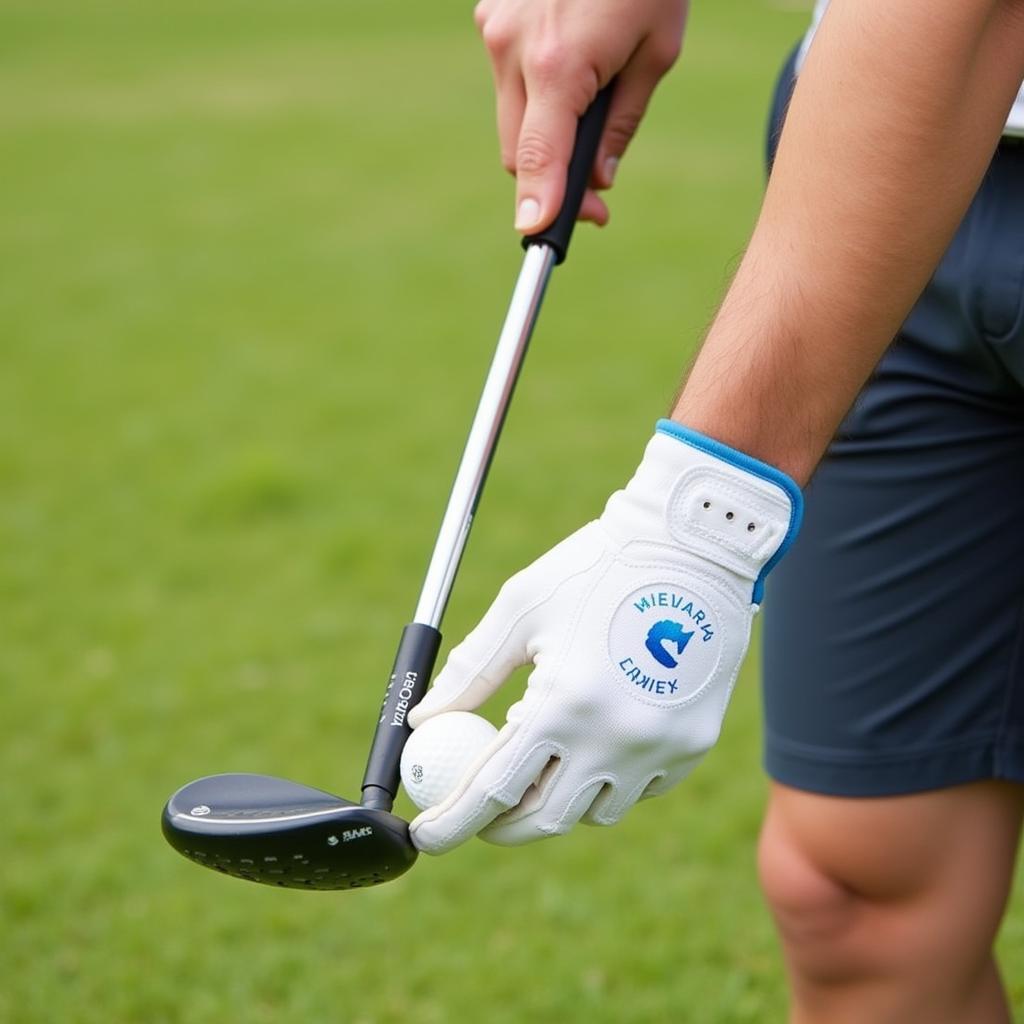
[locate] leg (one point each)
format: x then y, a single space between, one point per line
888 907
894 660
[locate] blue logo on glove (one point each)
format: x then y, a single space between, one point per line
647 648
671 633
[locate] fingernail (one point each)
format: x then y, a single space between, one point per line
527 214
611 165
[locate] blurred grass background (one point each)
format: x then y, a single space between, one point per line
253 258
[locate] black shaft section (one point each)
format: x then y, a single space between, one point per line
584 151
410 677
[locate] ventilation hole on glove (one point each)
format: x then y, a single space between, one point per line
602 798
535 792
730 516
651 789
751 527
707 504
546 776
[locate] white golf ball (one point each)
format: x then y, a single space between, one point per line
438 753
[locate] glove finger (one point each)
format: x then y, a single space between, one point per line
614 801
612 805
478 666
551 808
497 783
664 781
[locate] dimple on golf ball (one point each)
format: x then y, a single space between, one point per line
438 753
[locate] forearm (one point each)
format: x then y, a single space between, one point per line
890 129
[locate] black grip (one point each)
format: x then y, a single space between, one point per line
414 662
584 152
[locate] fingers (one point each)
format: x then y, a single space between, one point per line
564 796
511 102
550 808
594 208
511 107
535 133
633 88
515 798
491 788
549 115
664 781
478 666
613 802
545 142
549 63
510 93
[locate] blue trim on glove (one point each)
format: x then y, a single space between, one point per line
756 468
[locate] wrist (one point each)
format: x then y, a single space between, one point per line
709 500
792 456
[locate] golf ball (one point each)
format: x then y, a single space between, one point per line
438 753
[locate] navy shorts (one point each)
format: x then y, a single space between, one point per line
894 628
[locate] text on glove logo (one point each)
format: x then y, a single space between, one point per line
678 602
660 643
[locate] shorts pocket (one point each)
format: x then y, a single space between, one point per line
999 259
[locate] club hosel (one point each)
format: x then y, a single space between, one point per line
377 799
410 676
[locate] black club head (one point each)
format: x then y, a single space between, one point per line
283 833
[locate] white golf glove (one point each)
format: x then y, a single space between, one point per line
636 626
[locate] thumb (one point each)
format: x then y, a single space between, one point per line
478 666
543 149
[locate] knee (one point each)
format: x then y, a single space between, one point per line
888 889
817 916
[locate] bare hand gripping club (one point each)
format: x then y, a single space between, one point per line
284 833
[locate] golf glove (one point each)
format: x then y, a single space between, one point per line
636 626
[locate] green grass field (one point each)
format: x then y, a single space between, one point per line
253 258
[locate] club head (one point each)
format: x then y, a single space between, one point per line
282 833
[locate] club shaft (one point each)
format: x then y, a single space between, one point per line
483 435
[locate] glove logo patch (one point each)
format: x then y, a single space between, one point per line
662 643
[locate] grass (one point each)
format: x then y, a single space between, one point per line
253 257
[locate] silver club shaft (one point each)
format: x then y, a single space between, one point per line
483 435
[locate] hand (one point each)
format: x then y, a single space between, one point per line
550 59
636 626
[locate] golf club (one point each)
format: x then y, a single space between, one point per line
283 833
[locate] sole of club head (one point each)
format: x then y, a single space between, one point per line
276 832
